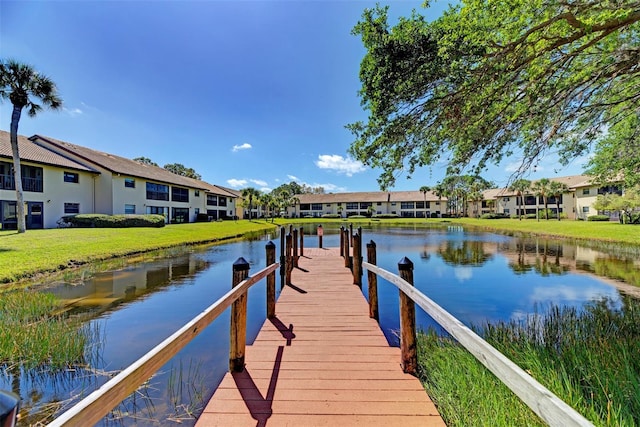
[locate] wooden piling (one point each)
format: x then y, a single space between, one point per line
294 241
357 259
288 260
238 328
271 281
408 350
373 282
301 241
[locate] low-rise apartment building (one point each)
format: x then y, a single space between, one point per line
60 178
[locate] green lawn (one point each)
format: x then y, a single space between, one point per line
42 251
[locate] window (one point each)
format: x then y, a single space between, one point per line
129 209
352 205
157 191
407 205
222 201
129 183
419 205
305 206
585 191
212 200
72 208
505 199
316 206
71 177
196 193
365 205
179 215
179 194
506 211
585 209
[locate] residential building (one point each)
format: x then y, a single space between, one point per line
405 204
60 178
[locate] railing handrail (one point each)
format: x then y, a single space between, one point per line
96 405
549 407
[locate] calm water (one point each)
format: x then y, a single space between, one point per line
478 277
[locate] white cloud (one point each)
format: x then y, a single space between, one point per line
244 146
73 112
266 189
463 273
237 183
292 177
259 182
345 165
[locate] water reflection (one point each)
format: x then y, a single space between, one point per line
478 277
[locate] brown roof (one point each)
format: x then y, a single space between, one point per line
122 165
572 181
35 153
368 196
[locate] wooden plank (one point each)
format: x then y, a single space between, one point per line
321 361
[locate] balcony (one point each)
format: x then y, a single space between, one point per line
34 185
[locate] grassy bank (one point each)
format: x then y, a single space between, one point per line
589 359
44 251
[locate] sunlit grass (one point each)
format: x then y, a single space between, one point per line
31 335
590 359
43 251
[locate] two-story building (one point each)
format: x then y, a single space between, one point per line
60 178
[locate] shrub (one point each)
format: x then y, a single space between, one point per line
530 216
357 216
331 216
598 218
386 216
111 221
494 216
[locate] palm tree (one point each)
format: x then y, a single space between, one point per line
20 83
541 189
424 190
557 189
250 193
521 187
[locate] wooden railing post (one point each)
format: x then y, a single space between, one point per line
351 235
283 263
347 257
294 241
373 282
320 236
357 259
341 240
271 281
238 329
301 241
289 261
409 354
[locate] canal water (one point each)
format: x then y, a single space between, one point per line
477 277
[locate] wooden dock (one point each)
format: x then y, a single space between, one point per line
321 362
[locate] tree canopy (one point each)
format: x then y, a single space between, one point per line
145 161
490 79
182 170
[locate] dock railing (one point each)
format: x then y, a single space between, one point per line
549 407
99 403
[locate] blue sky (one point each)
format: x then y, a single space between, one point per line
247 93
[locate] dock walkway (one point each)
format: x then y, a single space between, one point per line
321 362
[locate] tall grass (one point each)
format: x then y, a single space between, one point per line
590 358
31 335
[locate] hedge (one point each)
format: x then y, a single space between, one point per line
111 221
598 218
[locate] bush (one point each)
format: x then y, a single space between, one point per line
494 216
203 217
357 216
111 221
530 216
331 216
386 216
598 218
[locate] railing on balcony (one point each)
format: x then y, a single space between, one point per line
7 182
